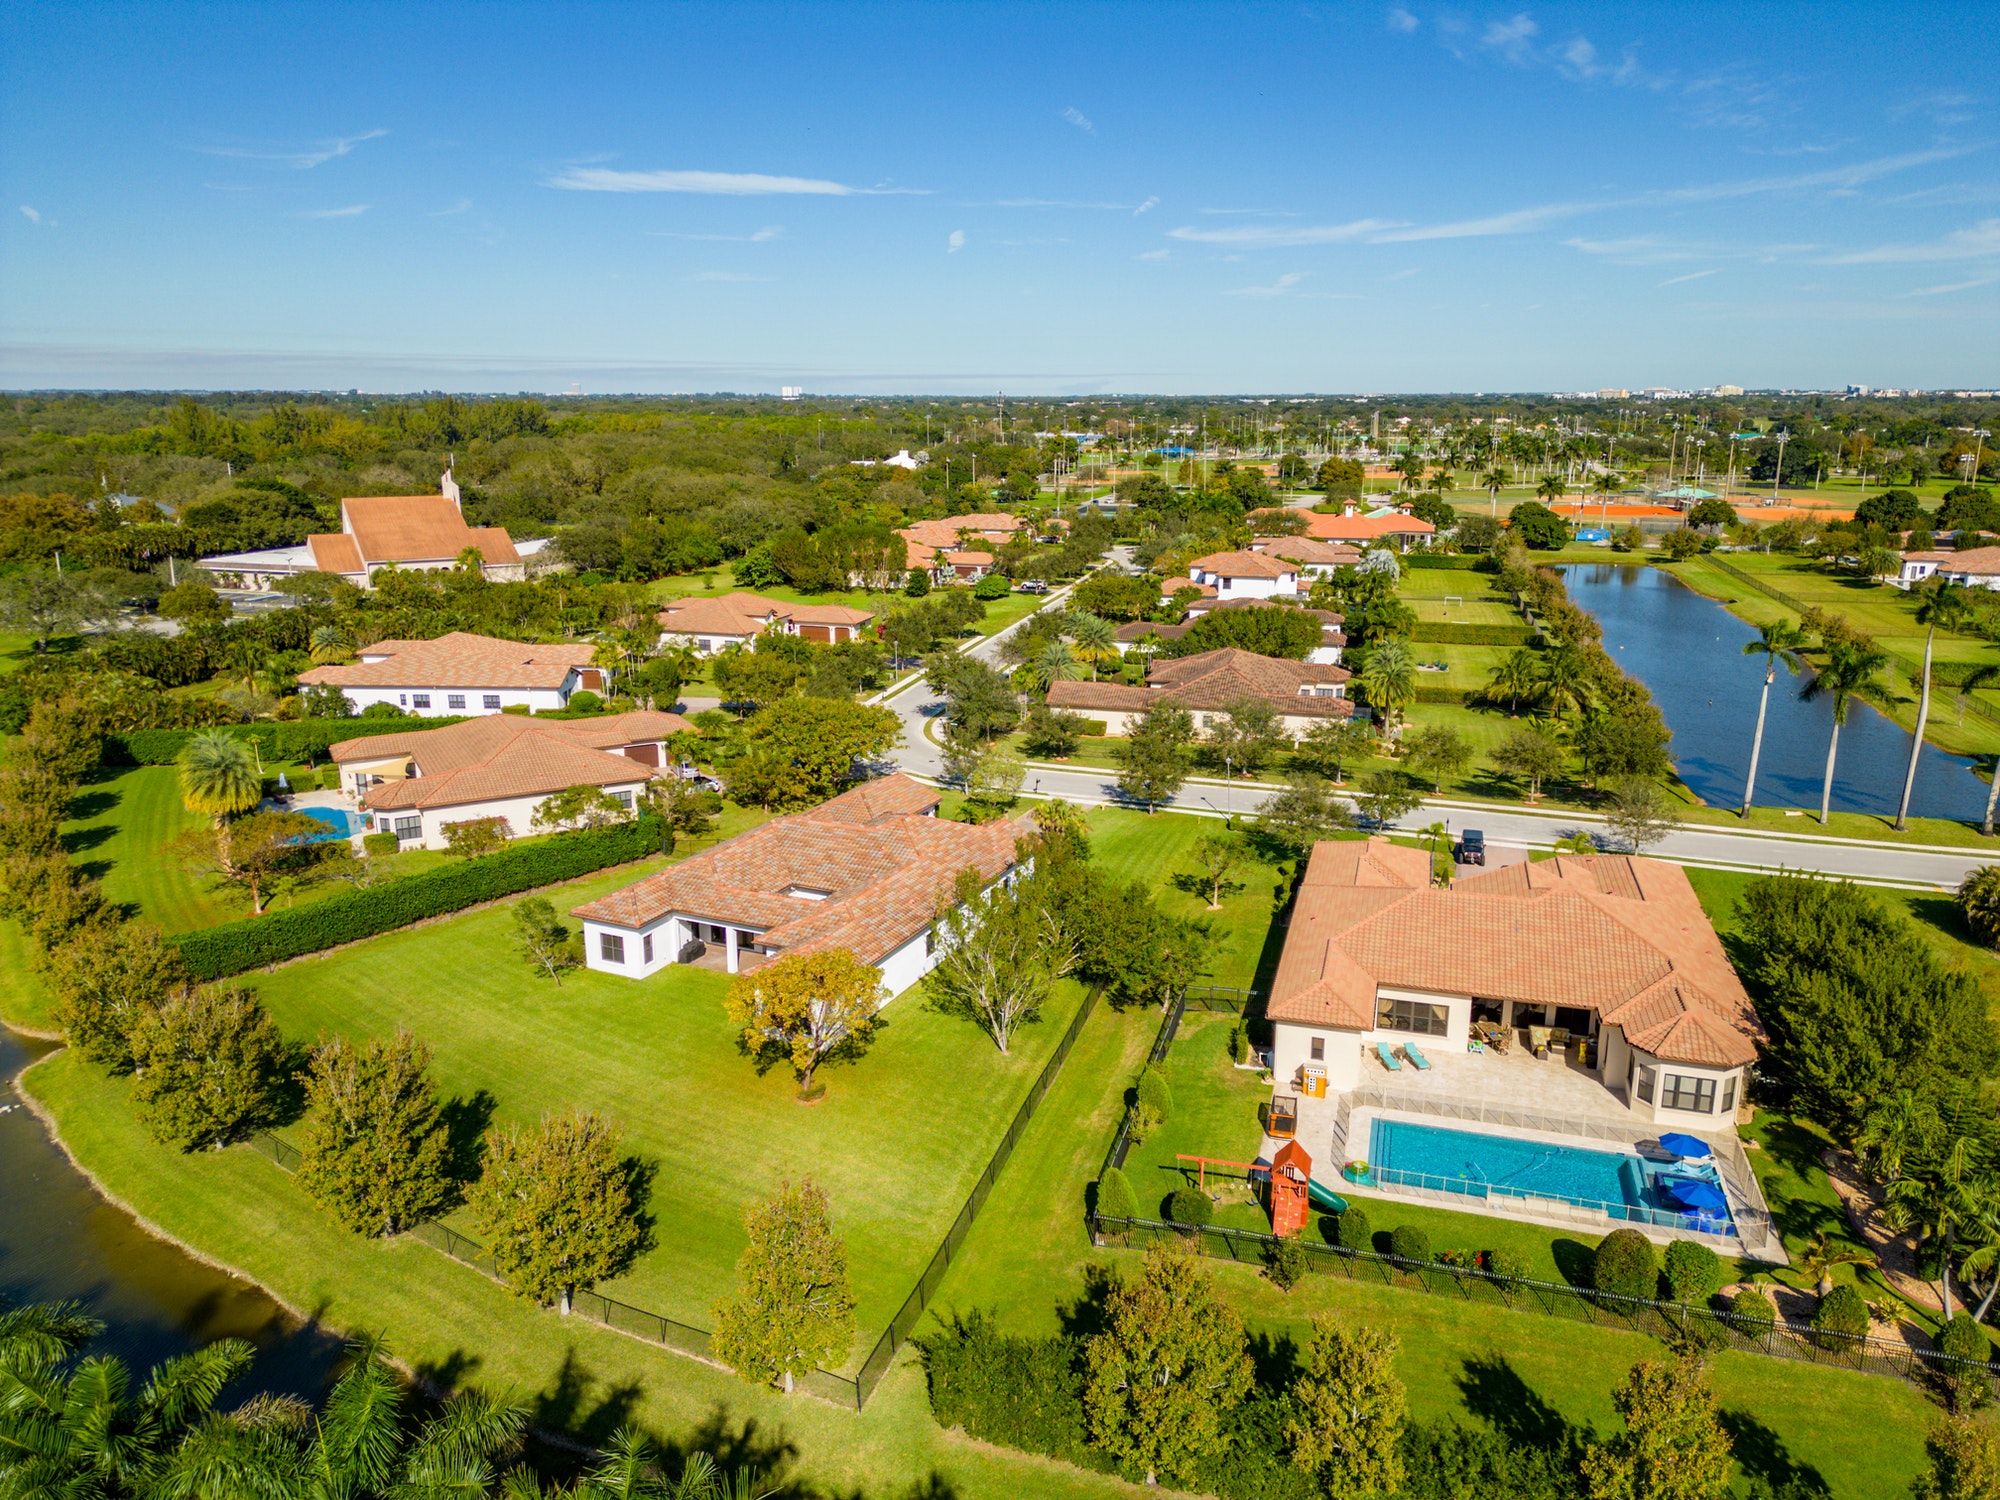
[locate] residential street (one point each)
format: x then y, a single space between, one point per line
1881 864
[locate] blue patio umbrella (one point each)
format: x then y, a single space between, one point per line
1693 1193
1684 1145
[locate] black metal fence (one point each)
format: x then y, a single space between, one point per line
1703 1325
904 1323
1203 997
699 1343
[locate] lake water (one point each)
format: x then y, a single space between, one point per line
1688 650
59 1241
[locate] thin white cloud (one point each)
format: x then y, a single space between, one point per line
1262 213
34 216
729 276
1150 204
1277 235
1979 242
1691 276
1049 203
761 236
1401 20
463 205
1277 288
352 211
1512 39
955 243
1956 286
1076 117
1403 275
1153 254
305 159
1517 221
724 184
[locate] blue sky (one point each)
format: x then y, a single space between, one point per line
968 198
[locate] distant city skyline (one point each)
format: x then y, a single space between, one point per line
957 200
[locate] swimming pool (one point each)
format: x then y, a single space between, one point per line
340 824
1476 1165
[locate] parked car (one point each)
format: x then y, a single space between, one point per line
1472 847
1031 586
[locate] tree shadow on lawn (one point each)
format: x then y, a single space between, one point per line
1495 1393
1575 1261
1797 1149
1769 1463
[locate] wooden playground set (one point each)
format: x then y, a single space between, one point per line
1285 1184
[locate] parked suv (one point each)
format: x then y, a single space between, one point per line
1031 586
1472 847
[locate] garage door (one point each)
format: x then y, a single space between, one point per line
821 633
646 755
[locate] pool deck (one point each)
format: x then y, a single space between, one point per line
1549 1100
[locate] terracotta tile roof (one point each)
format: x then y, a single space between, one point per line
743 615
459 660
877 865
1365 528
1305 549
970 559
1979 561
494 545
411 528
1115 696
1138 630
335 552
1172 586
1212 680
942 534
1624 937
507 755
1243 565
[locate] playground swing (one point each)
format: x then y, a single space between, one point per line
1291 1194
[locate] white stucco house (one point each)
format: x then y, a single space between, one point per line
1302 694
1610 947
462 673
738 619
415 783
862 872
1975 568
1240 575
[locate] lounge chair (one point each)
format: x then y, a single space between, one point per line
1410 1051
1388 1058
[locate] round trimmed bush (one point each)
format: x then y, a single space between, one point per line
1966 1385
1754 1310
584 701
1353 1231
1693 1270
992 586
1190 1207
1509 1263
1840 1318
1408 1242
1115 1198
379 843
1155 1095
1625 1265
1963 1338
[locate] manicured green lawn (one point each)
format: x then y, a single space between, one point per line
896 1142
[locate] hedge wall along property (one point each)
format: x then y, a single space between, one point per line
1458 633
295 740
234 947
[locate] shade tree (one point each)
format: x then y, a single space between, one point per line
793 1309
376 1149
807 1009
208 1065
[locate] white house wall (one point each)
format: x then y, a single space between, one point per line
536 700
518 811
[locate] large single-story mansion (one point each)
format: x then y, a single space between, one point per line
462 673
863 872
1207 684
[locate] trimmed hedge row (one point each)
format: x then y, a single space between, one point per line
288 740
1456 633
232 948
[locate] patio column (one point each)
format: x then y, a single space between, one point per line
729 949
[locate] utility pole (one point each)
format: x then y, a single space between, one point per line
1778 478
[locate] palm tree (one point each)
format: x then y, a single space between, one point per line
1779 641
1518 676
1565 678
78 1428
1493 482
328 643
1577 842
1551 488
1390 679
1608 483
1817 1260
1095 638
1055 662
1433 835
1848 669
219 774
1943 605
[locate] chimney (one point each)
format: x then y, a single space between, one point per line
1404 507
1347 509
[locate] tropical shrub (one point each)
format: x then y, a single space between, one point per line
1625 1265
1840 1318
1965 1386
1753 1310
1979 903
584 701
1509 1263
380 843
1693 1270
992 586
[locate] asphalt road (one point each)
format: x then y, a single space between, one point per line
1927 866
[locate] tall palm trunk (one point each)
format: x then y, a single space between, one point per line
1944 1274
1992 799
1917 745
1826 791
1757 740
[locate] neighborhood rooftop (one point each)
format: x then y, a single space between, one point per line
457 660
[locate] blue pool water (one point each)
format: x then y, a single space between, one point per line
340 824
1478 1165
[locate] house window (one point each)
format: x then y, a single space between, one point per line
930 942
404 699
1647 1072
420 700
611 947
491 700
409 828
1729 1094
1412 1015
646 947
1696 1095
1319 1049
623 799
454 700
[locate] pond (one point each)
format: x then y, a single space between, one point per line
60 1241
1688 650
